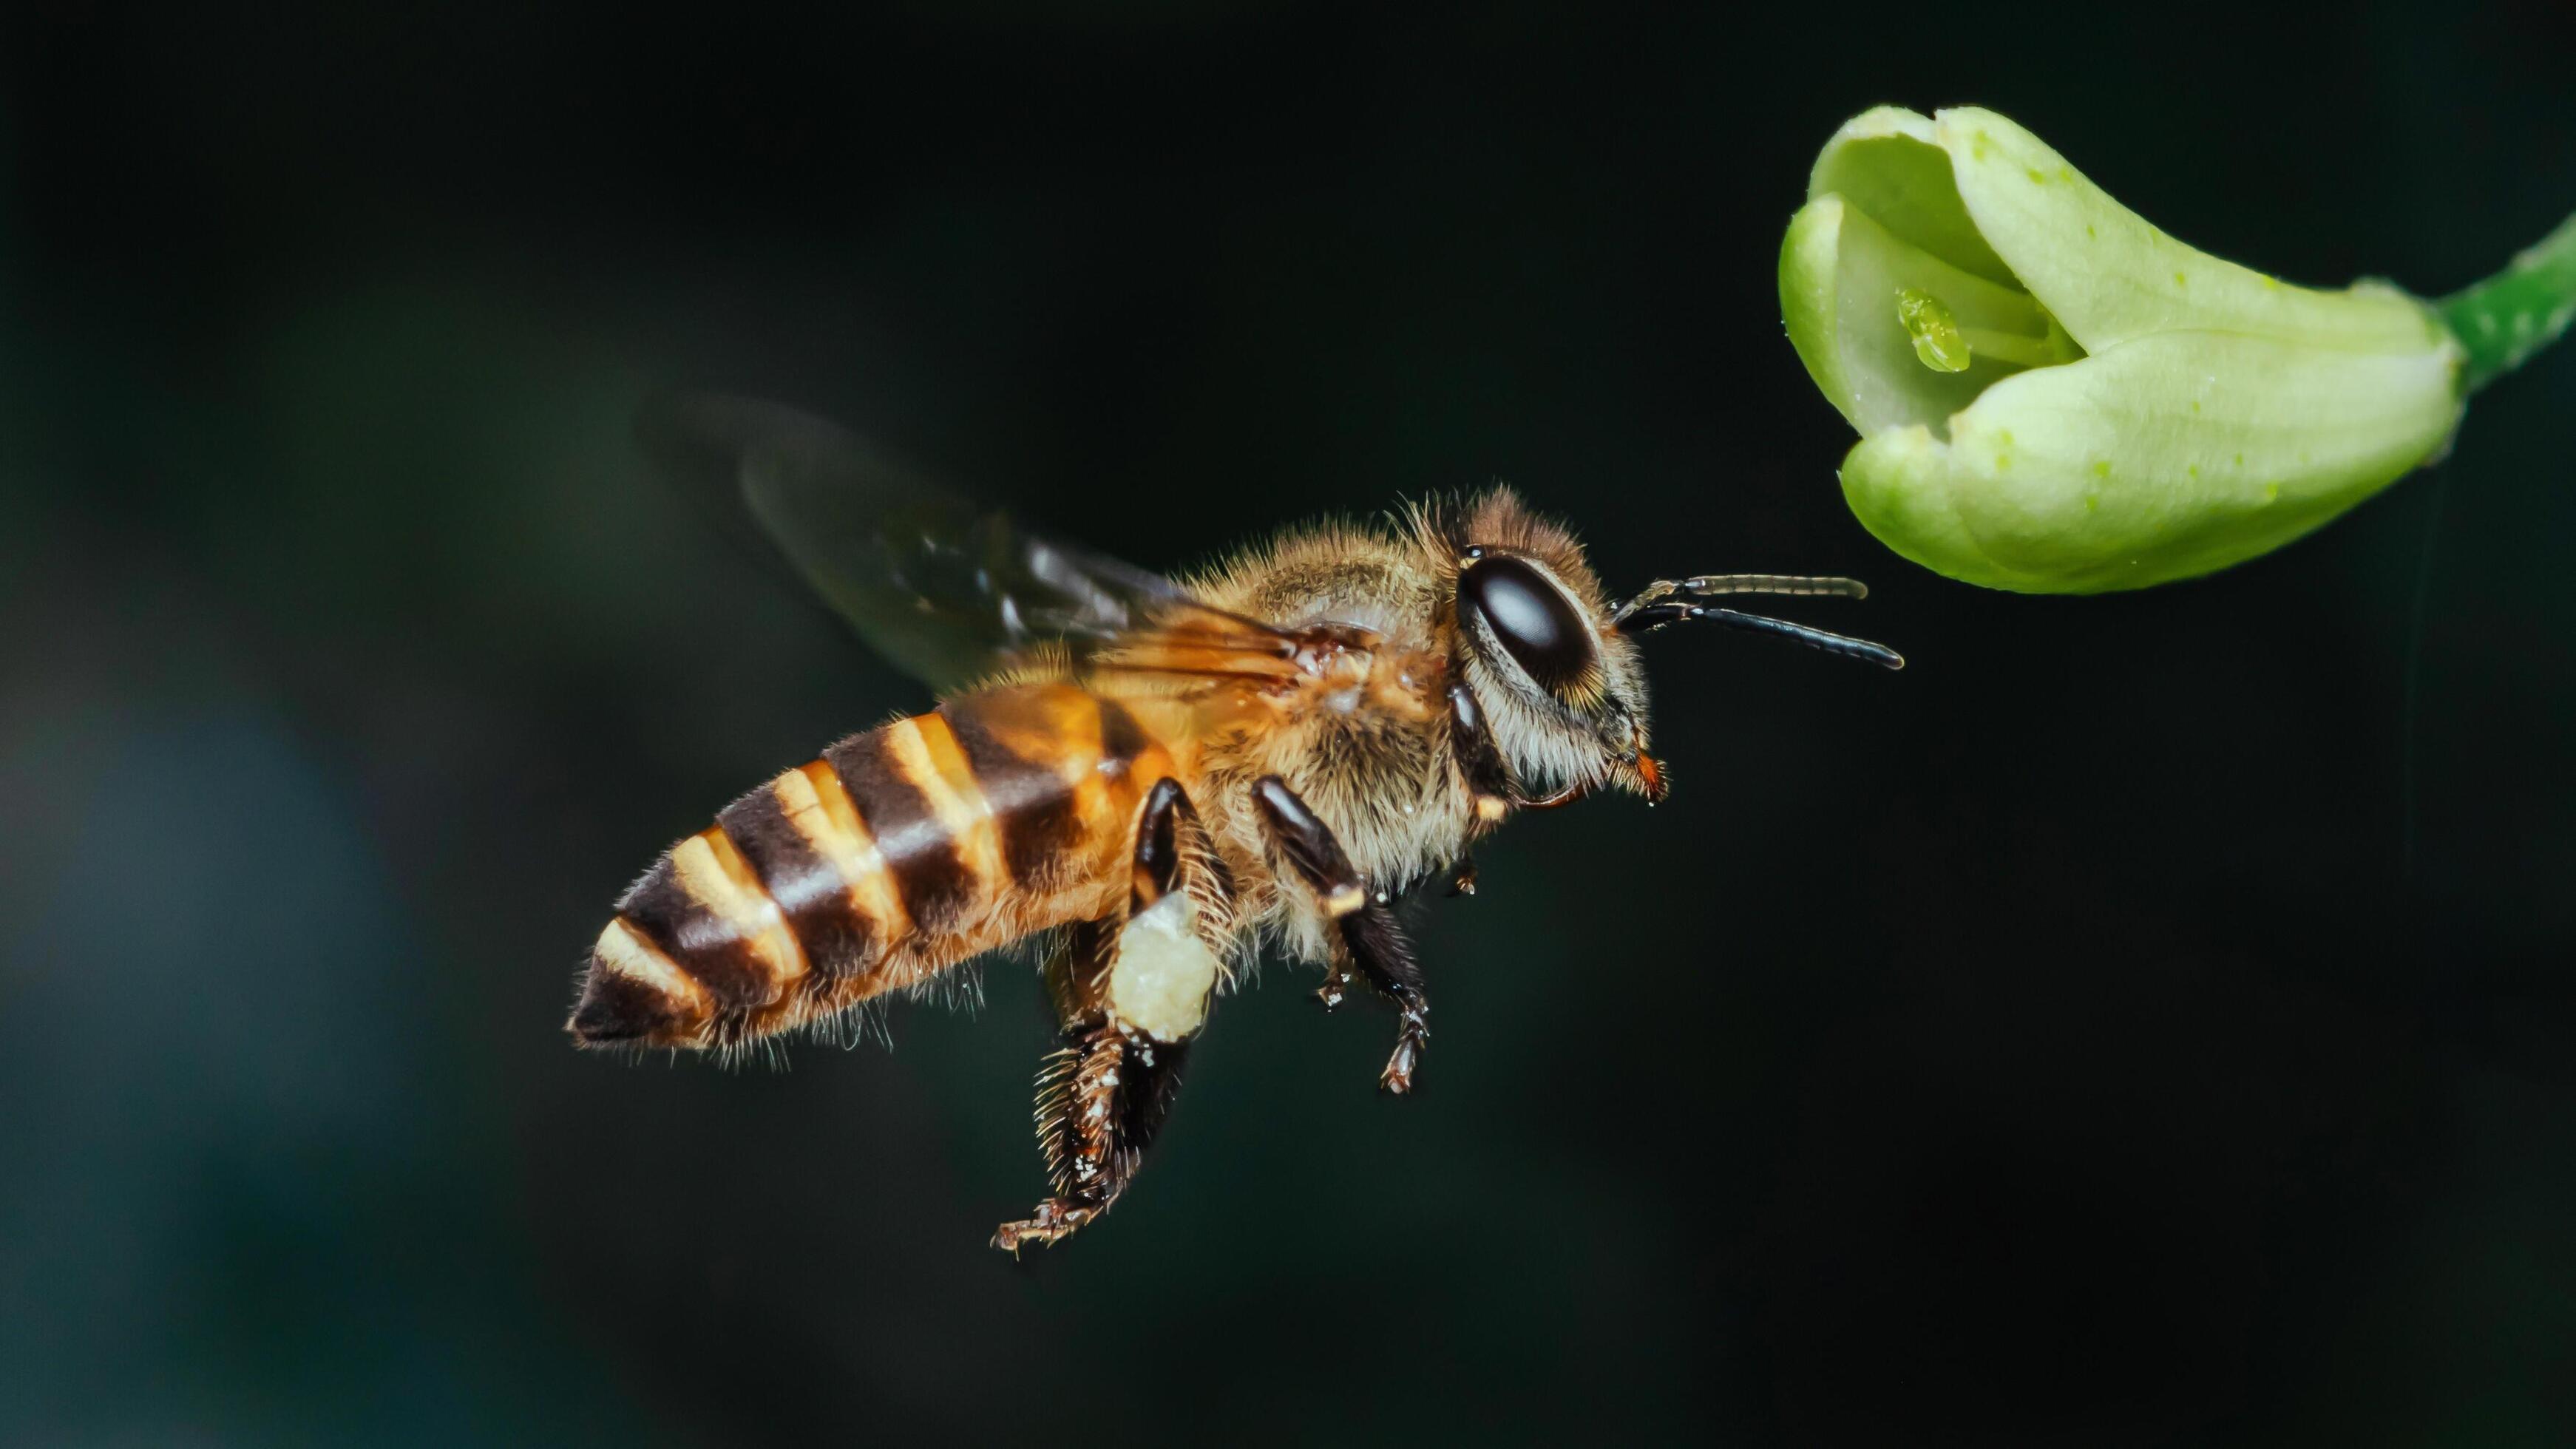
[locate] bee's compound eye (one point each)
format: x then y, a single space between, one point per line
1536 624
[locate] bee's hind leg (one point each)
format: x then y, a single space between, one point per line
1106 1092
1102 1096
1368 938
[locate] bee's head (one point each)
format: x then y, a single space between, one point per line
1554 667
1560 686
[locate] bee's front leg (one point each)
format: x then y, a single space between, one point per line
1368 938
1131 994
1490 790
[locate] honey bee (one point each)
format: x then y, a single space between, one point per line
1158 779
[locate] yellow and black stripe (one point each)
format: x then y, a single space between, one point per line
902 851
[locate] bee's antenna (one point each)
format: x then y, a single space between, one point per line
1709 586
1644 620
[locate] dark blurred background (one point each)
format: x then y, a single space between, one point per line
2145 1020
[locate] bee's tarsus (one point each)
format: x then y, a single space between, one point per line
1053 1219
1397 1079
1336 987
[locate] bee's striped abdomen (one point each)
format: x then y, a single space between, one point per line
803 838
899 853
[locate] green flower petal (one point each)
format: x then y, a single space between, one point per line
2158 459
2108 275
1886 163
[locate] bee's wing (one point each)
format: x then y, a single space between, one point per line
950 590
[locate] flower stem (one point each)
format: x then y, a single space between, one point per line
2503 320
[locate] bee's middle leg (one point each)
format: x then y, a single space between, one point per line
1106 1091
1368 938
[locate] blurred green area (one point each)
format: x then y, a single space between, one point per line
2145 1020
